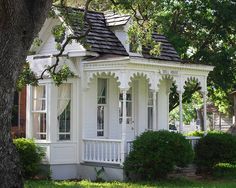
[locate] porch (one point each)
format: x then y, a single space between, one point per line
108 151
122 100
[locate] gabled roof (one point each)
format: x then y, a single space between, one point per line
103 41
100 39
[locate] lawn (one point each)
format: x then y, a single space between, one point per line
162 184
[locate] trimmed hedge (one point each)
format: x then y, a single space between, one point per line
30 156
214 148
154 155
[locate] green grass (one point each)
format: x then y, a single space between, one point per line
181 183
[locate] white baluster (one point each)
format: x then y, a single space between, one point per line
94 150
110 152
102 151
98 151
106 152
90 151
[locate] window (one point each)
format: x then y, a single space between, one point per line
150 110
64 112
101 105
128 107
39 112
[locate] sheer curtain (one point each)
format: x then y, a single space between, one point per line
63 98
38 95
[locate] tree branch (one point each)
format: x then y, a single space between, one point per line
52 69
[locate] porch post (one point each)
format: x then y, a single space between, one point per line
154 110
205 110
123 134
180 112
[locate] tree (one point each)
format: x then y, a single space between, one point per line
20 22
201 31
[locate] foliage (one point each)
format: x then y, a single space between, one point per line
201 31
154 154
225 170
196 133
189 108
27 76
173 183
99 174
30 156
214 148
62 75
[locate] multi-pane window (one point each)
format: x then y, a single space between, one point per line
39 112
150 110
64 112
128 107
101 105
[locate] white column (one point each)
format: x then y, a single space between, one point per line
154 110
180 112
29 102
123 134
205 111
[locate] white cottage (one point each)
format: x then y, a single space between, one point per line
90 121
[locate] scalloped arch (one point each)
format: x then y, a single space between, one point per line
198 79
167 77
93 75
134 75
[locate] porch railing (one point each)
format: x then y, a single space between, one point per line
129 146
102 150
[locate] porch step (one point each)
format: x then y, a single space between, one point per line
187 172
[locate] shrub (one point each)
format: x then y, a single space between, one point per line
30 156
196 133
225 170
214 148
154 154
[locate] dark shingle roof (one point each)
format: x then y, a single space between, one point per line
167 51
100 39
103 41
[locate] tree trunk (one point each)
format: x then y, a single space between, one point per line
201 119
20 21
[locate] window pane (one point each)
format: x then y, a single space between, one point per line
39 123
128 109
150 118
64 120
100 120
100 133
64 111
64 137
39 98
39 104
128 98
150 99
102 91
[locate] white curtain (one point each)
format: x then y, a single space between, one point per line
38 95
64 93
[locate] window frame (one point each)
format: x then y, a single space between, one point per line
129 119
150 106
104 106
71 120
37 134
